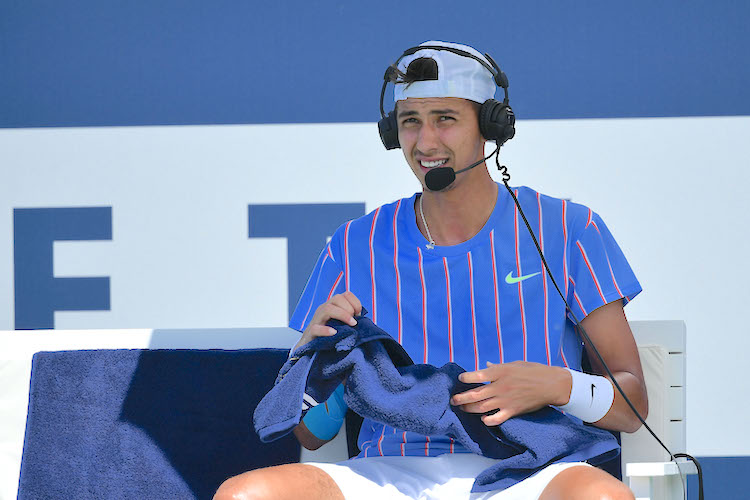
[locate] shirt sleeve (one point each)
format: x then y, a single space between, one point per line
599 272
325 281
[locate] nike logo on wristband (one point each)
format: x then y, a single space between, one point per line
592 395
509 279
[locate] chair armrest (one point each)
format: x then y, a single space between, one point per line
658 480
657 469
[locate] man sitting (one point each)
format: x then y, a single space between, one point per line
453 276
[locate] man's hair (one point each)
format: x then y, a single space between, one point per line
419 70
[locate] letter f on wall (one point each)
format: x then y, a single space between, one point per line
38 294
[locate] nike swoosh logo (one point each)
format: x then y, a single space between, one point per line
592 395
511 280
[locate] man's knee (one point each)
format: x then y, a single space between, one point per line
607 490
586 483
280 482
253 485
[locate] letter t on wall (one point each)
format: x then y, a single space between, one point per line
306 228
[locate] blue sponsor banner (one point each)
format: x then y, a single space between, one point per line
92 63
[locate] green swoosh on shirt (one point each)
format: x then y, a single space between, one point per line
511 280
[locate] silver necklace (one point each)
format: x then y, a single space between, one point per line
431 244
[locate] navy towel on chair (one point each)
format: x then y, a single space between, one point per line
145 423
383 384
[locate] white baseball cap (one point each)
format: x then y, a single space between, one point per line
458 76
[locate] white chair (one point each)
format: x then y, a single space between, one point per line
646 465
647 469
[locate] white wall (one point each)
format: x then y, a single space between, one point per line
673 192
670 189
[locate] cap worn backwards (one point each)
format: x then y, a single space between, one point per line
458 76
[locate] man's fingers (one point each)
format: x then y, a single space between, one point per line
343 304
476 377
343 307
480 407
322 331
470 396
329 310
354 301
496 418
488 374
342 314
483 406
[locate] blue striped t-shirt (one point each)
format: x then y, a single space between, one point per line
465 303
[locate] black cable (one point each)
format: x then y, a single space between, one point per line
587 340
698 467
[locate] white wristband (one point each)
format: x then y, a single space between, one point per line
591 396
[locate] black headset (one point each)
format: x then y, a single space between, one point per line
496 119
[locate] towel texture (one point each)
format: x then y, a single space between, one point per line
382 383
133 424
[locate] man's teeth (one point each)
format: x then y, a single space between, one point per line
432 164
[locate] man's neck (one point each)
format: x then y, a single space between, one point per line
456 215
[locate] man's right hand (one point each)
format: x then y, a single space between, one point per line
342 307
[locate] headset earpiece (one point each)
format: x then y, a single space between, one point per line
388 128
497 121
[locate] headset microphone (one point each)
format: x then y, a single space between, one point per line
440 178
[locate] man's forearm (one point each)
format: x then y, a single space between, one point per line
620 416
307 438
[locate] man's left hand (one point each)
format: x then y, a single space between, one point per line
513 389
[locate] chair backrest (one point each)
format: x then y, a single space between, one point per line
661 345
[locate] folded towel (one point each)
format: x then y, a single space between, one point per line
382 383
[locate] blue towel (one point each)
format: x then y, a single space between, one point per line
382 383
132 424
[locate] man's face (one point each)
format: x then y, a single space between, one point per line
439 132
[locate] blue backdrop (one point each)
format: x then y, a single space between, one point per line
94 62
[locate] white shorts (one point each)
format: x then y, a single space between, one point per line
448 476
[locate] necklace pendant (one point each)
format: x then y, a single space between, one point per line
431 244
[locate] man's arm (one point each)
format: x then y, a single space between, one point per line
610 332
307 438
522 387
342 307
